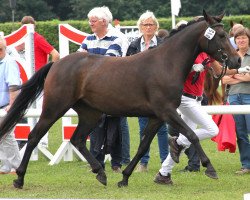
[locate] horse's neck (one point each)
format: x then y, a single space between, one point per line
184 47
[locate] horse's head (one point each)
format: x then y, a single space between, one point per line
215 42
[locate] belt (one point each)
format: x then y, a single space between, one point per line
197 98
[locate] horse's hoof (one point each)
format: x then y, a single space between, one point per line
122 184
211 174
102 178
17 184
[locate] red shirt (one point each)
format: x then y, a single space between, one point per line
42 49
197 88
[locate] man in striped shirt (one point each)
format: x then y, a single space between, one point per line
103 41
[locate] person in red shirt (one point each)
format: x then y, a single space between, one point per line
193 114
42 47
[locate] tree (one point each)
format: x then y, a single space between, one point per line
121 9
61 8
5 11
39 9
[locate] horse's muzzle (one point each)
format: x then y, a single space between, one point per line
234 63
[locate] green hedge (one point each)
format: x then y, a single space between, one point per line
49 29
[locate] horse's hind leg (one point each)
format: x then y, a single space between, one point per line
35 136
149 132
176 121
88 119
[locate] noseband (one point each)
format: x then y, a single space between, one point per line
224 56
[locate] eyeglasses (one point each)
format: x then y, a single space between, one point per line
94 21
148 25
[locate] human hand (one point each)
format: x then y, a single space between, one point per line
198 67
245 69
7 108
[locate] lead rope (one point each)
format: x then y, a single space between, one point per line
223 71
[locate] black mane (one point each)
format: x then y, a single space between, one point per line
182 26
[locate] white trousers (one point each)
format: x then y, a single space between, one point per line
194 116
9 153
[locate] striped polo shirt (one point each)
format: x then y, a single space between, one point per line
109 45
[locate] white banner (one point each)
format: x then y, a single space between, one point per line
175 7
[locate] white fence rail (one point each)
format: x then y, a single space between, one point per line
225 109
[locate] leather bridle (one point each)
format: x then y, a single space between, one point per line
223 55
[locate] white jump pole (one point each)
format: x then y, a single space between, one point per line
226 109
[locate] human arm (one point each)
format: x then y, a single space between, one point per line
115 48
54 55
12 80
84 46
229 79
218 69
134 47
237 78
13 92
42 45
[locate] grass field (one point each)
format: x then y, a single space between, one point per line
73 179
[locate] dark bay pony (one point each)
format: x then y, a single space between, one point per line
146 84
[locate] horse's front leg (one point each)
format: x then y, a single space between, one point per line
148 134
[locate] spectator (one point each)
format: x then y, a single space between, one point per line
162 33
42 49
148 26
232 32
15 54
103 41
124 122
239 94
193 158
9 80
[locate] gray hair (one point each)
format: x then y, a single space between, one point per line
148 14
101 13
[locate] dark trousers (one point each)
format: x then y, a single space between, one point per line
193 158
101 143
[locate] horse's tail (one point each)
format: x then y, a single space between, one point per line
29 93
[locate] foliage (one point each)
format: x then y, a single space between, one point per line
121 9
49 29
74 179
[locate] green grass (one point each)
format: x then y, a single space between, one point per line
73 179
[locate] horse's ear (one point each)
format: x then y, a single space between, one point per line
220 16
207 17
241 22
